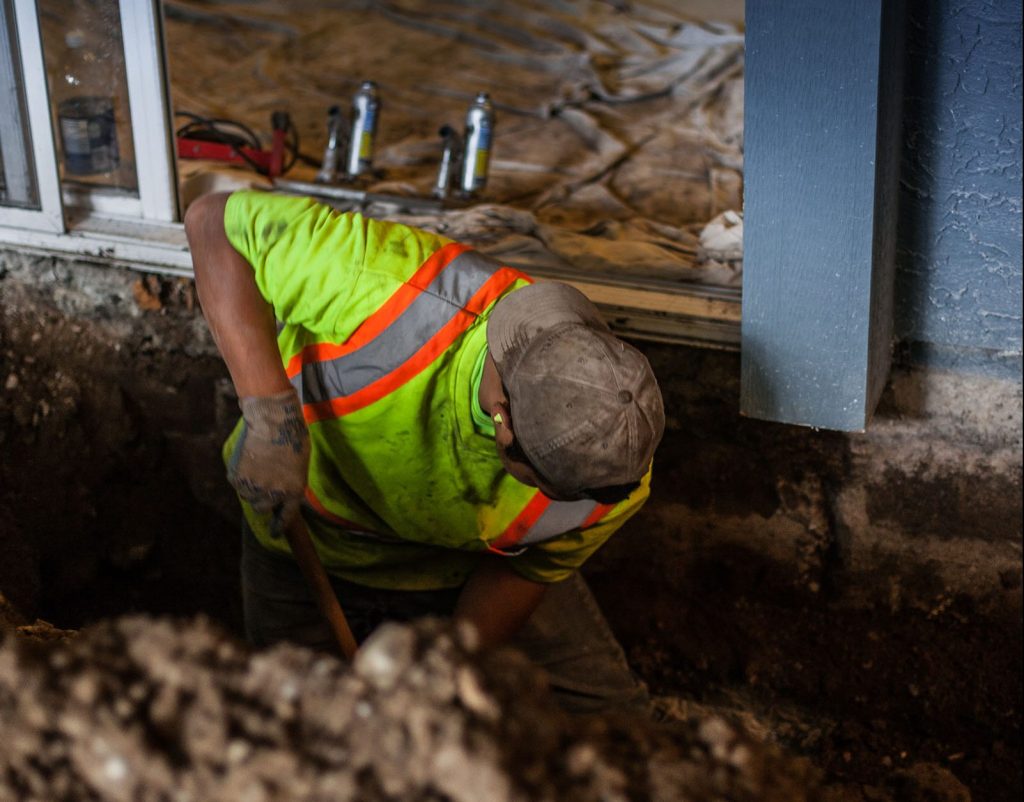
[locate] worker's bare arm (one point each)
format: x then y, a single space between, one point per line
241 321
498 601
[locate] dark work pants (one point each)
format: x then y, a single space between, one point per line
567 635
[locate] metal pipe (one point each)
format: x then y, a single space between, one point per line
360 197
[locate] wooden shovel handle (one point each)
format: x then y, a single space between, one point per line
320 585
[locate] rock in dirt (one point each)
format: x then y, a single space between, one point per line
11 619
146 709
928 782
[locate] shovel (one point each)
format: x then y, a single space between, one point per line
316 577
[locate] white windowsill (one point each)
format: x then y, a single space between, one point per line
140 244
651 310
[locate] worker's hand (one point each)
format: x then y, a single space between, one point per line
270 462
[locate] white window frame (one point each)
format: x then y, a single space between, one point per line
148 101
49 217
149 98
97 223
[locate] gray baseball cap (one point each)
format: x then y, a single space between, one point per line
586 408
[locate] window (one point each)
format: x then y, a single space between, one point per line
88 170
29 193
17 172
86 78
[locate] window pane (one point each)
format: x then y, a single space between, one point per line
88 92
17 175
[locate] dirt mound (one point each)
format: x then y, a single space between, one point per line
154 709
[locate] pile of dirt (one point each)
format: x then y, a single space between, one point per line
160 709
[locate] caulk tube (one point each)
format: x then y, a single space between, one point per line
365 111
477 151
335 135
452 144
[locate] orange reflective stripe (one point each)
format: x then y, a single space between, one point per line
527 517
543 519
599 512
462 320
376 323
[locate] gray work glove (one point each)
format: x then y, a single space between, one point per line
270 462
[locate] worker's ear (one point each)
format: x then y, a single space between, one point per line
504 434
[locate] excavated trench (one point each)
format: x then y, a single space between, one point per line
112 502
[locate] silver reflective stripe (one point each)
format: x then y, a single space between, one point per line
559 517
449 292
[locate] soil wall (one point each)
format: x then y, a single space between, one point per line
859 596
874 578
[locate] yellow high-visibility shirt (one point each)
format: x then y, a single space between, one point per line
383 328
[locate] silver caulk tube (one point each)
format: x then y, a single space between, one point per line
365 111
328 173
476 153
452 143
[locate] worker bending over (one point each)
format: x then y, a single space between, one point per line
457 438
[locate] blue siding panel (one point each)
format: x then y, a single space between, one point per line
811 291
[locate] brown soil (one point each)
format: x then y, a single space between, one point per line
144 709
867 694
108 429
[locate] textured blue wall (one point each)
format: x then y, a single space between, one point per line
959 256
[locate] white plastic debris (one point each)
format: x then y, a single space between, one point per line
722 238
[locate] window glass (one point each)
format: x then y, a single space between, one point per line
84 57
17 174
